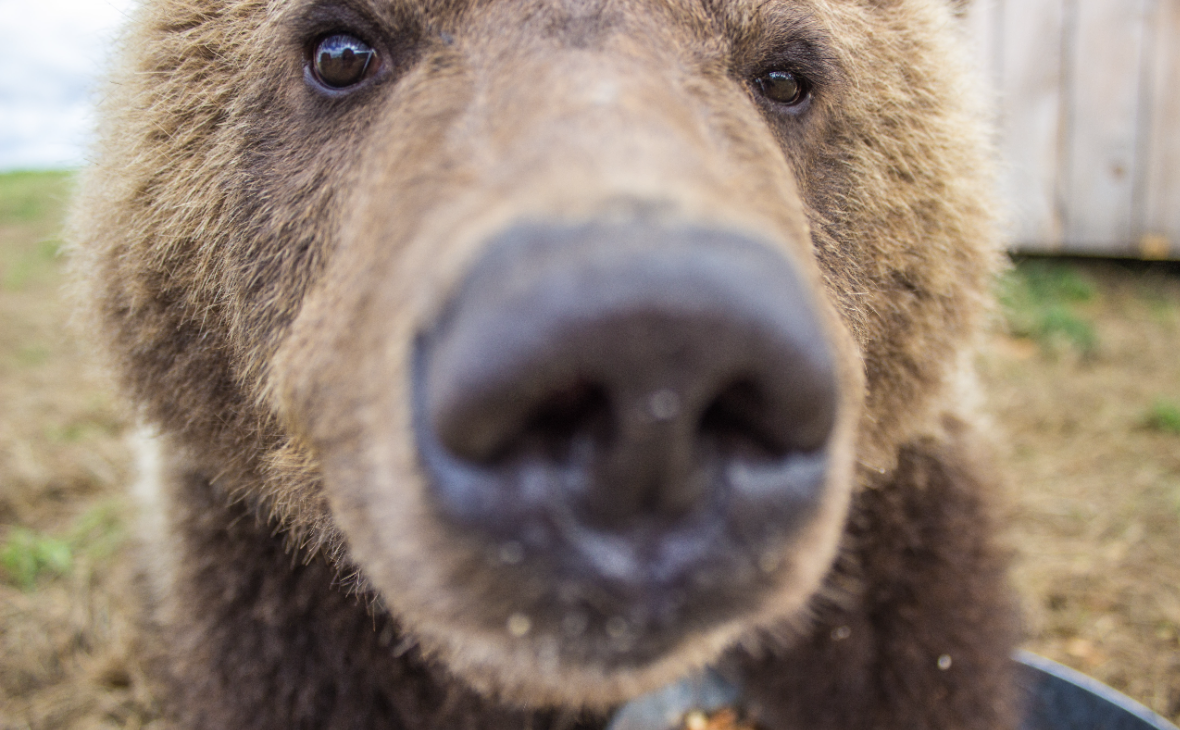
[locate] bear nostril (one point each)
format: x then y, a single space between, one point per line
742 420
735 422
577 414
627 381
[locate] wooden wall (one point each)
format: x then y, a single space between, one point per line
1088 95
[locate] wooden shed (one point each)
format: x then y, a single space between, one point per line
1089 115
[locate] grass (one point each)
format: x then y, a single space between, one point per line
29 197
35 548
1041 301
1164 416
31 207
28 266
29 557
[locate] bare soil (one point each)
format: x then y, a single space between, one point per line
1083 379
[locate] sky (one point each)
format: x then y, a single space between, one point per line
51 54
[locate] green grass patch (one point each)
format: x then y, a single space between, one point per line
1041 301
1164 416
27 197
28 557
32 210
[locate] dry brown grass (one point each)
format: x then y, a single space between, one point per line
1094 454
1084 396
65 599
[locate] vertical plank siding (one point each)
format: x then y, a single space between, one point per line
1033 73
1102 89
1089 116
1161 187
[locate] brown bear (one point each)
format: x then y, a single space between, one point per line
503 361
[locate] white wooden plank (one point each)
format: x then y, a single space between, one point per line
1103 96
1031 121
1159 232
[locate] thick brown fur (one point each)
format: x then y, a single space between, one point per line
257 257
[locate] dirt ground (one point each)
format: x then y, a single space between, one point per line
1083 379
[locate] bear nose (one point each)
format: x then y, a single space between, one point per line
622 375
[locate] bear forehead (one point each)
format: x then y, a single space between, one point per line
584 19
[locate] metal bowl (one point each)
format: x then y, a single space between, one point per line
1058 698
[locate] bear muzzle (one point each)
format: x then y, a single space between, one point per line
634 414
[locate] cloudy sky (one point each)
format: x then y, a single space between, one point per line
50 54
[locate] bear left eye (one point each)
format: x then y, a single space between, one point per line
784 87
341 61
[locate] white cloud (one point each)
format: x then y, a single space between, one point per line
51 54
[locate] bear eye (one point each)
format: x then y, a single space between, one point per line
783 87
342 60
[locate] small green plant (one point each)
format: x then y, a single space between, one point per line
1164 416
1040 297
1059 323
27 555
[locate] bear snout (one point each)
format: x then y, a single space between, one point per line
637 406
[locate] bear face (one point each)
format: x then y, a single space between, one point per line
322 239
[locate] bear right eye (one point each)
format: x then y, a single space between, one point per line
785 88
340 61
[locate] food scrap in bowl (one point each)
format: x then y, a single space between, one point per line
723 719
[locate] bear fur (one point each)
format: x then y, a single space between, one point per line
257 255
